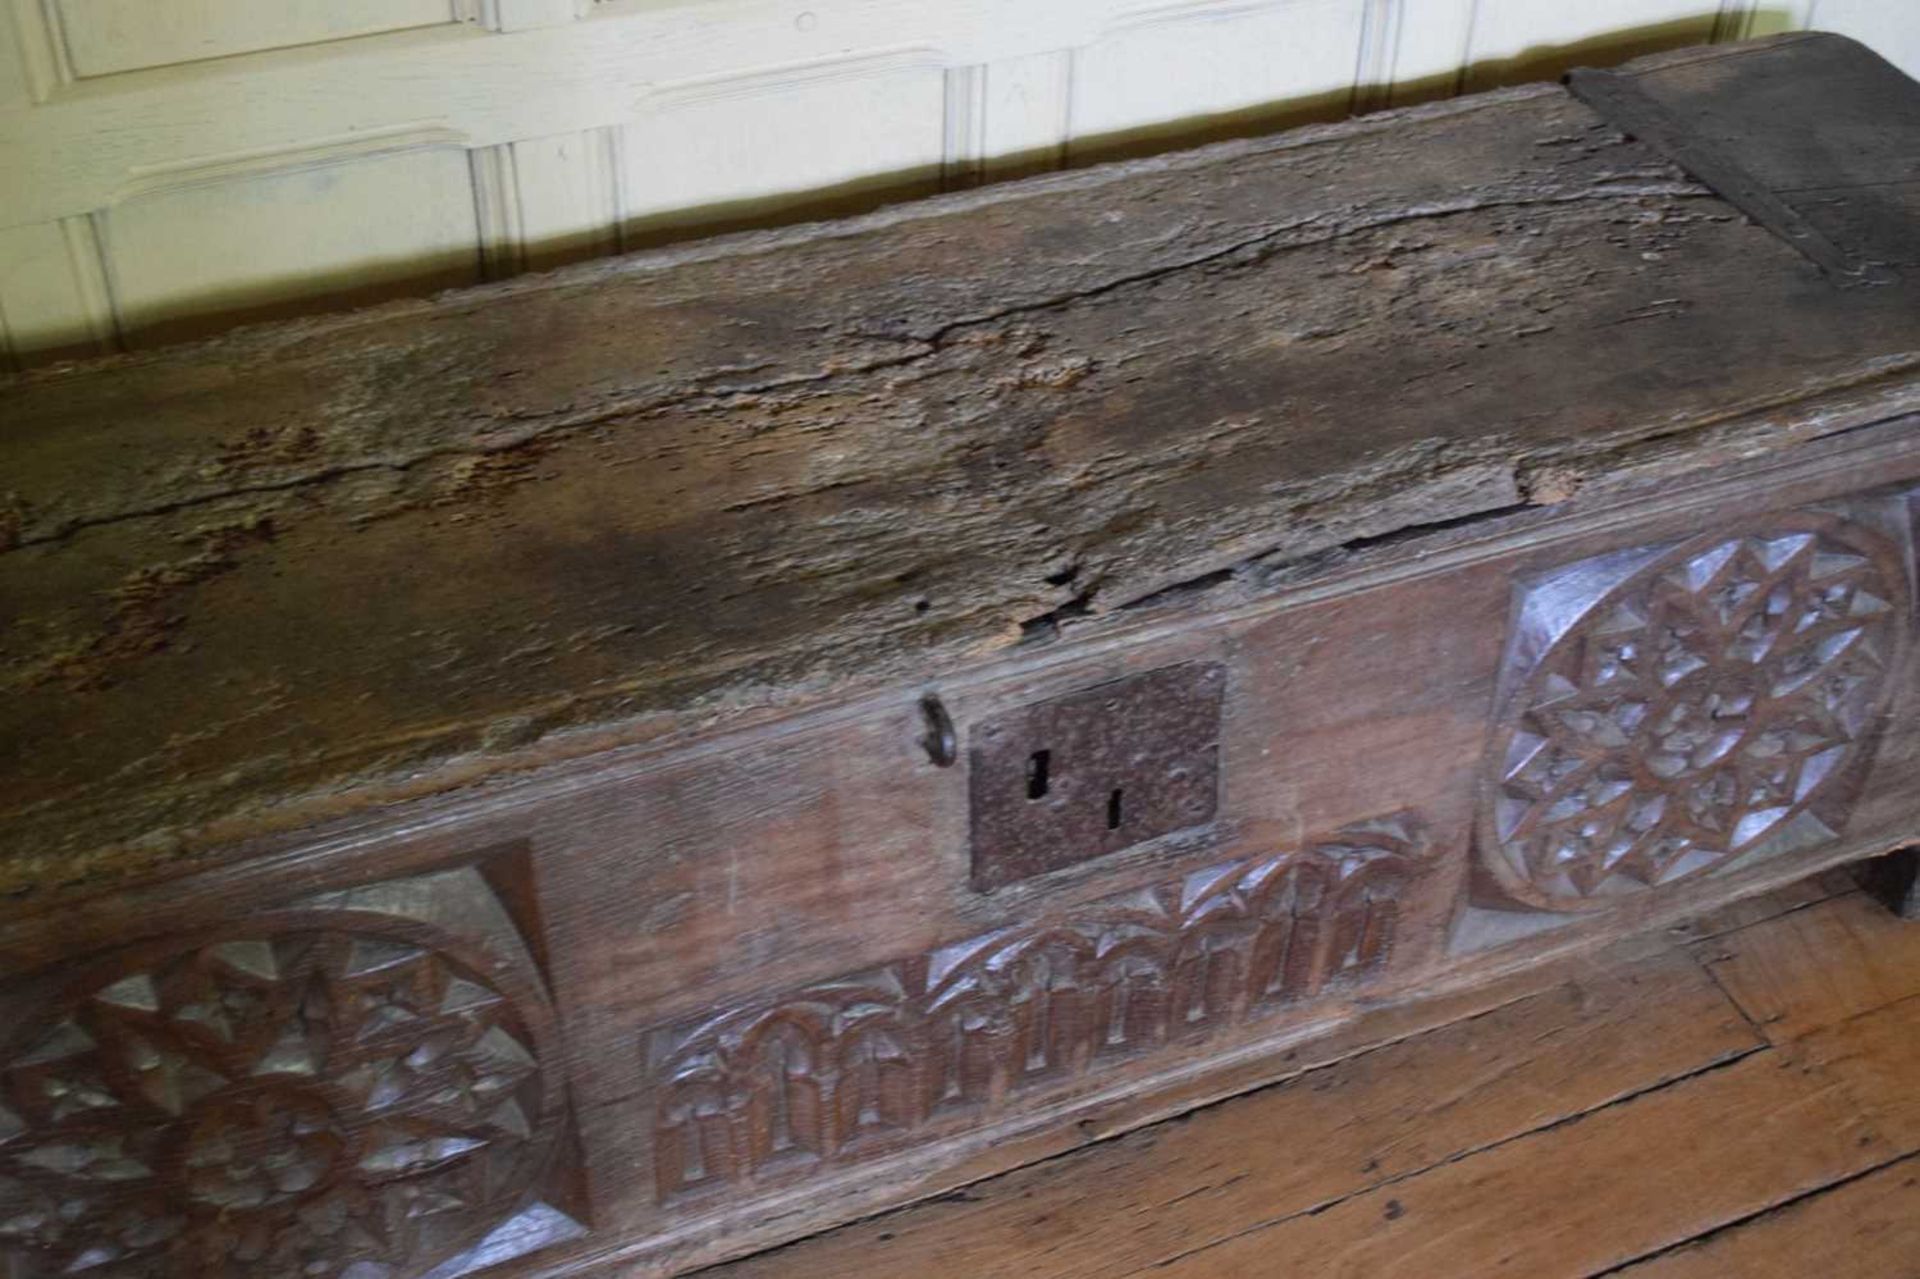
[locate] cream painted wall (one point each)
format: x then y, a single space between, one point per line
170 166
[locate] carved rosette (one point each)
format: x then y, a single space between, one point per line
1668 710
842 1070
360 1086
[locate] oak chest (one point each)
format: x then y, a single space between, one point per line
601 773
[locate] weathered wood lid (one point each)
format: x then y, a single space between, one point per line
308 568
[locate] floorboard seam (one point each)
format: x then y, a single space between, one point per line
961 1193
1757 1214
1733 1001
1760 1027
1703 938
1717 1064
1860 1014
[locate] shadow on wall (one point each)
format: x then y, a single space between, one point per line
288 296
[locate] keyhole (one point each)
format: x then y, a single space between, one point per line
1037 773
1113 810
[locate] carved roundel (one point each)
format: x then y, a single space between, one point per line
1669 710
337 1092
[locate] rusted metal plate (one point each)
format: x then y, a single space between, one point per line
1082 776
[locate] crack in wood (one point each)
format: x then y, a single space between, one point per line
1330 227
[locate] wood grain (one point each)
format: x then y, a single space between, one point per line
593 530
1753 910
1871 1054
675 113
1817 967
1868 1228
1791 1131
1436 1114
1149 1198
616 602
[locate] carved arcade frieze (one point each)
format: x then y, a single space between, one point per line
880 1060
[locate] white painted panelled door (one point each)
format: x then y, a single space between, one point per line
170 167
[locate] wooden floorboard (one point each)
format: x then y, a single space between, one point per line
1811 968
1586 1195
1716 1104
1748 911
1874 1055
1867 1228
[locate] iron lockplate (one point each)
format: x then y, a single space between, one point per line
1081 776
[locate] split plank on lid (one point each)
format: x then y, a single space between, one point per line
715 484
